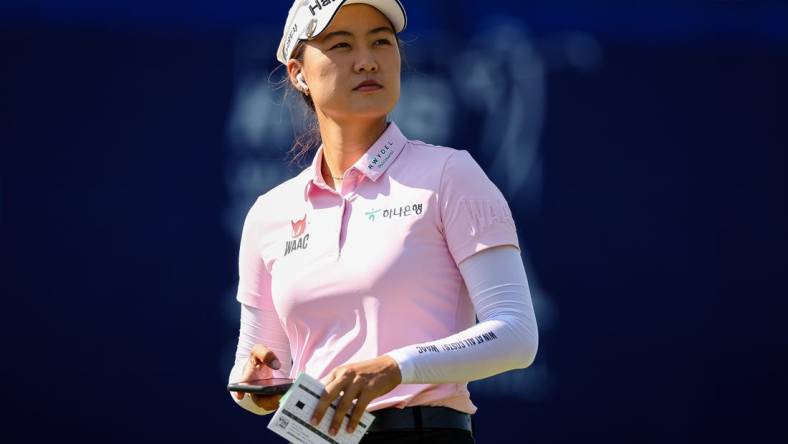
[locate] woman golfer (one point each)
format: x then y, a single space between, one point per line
368 270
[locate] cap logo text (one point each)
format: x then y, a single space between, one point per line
289 40
319 5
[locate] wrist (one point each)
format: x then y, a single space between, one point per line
393 368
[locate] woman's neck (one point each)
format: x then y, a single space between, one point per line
345 142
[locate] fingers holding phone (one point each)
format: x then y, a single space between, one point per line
262 359
259 370
260 365
265 393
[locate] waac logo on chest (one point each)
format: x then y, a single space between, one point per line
300 240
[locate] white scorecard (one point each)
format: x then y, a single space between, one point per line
291 420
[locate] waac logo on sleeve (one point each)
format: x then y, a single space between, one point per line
300 241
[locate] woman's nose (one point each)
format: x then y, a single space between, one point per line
367 67
366 63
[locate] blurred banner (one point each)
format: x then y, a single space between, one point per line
641 147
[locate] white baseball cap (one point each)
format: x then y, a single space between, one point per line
308 18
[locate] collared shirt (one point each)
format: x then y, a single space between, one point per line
373 267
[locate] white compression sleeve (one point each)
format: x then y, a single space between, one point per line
505 338
259 327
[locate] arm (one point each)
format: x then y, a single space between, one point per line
481 236
505 338
261 331
498 287
259 327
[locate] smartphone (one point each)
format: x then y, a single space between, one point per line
272 386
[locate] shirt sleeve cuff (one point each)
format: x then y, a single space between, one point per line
405 360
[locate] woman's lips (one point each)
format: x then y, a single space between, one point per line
369 85
369 88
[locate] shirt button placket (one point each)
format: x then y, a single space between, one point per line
351 183
338 232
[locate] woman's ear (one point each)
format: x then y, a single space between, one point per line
294 72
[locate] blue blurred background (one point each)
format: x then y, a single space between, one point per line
641 146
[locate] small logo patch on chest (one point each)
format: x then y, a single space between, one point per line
398 212
300 241
298 227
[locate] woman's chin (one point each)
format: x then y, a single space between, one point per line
365 111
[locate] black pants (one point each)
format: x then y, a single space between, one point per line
430 436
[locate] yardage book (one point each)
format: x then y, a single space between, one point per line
291 420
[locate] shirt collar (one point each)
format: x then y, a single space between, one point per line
373 164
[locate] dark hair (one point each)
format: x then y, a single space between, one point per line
310 137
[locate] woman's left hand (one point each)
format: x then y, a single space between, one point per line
364 381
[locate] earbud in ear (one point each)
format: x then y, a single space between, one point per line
301 82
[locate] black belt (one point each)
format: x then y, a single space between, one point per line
419 418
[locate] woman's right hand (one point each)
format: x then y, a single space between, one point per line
259 366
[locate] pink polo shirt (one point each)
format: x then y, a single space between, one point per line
356 274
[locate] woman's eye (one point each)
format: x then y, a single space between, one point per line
382 42
340 45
